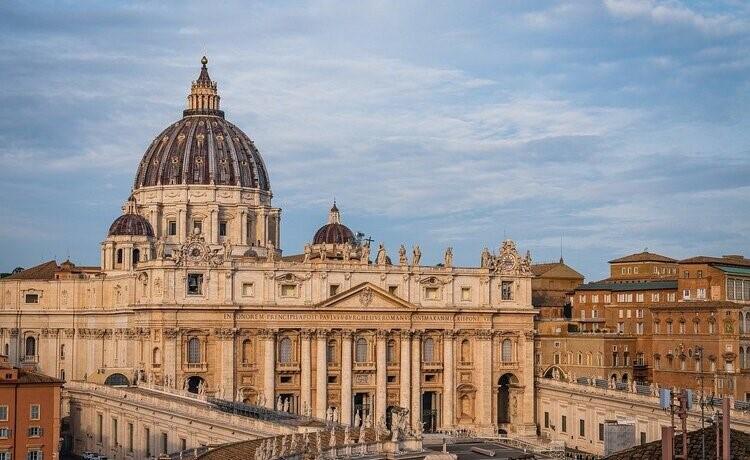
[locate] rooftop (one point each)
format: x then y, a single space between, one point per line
625 286
740 446
644 256
735 260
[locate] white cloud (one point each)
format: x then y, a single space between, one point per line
674 12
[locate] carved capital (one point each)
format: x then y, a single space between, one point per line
382 334
449 334
322 333
14 332
69 333
484 334
347 334
50 333
224 333
170 332
266 333
405 335
307 333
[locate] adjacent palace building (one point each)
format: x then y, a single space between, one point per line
193 292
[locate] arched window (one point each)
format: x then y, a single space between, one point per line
136 256
390 352
119 256
116 380
507 351
156 356
331 352
360 351
429 350
194 351
62 351
285 350
247 352
465 351
580 358
30 346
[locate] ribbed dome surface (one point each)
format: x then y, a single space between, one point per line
202 149
333 233
131 224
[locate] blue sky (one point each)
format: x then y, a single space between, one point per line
617 125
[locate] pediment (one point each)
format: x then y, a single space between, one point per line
365 296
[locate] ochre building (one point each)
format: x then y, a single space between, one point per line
193 292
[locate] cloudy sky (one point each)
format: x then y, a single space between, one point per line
614 125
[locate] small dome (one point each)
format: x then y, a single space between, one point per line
334 232
131 224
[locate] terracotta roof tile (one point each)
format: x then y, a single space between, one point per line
740 446
44 271
644 256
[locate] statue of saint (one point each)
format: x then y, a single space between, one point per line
485 262
160 248
402 255
365 258
308 250
448 259
416 256
227 248
381 257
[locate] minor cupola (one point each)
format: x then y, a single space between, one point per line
334 232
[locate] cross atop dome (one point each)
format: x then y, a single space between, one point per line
204 96
334 217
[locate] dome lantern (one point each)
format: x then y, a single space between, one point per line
204 97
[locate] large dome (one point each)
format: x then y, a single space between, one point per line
202 148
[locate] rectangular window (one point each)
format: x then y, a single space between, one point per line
700 274
654 297
595 298
583 314
629 298
172 227
621 314
183 444
686 293
195 284
34 455
630 314
686 274
506 288
223 228
198 226
670 297
333 289
3 413
288 290
546 419
4 433
392 290
620 328
643 437
35 432
5 455
147 440
582 428
601 432
639 297
130 437
34 412
164 443
431 293
635 270
701 293
564 424
31 298
115 432
99 427
465 294
248 289
582 298
607 298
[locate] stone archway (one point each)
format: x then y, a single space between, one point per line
555 373
465 395
193 383
506 402
117 380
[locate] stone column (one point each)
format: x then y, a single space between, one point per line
526 342
405 372
305 384
269 367
242 222
169 356
182 231
215 225
346 377
483 368
380 376
227 341
416 379
262 227
448 379
321 375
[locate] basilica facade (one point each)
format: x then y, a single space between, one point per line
194 292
